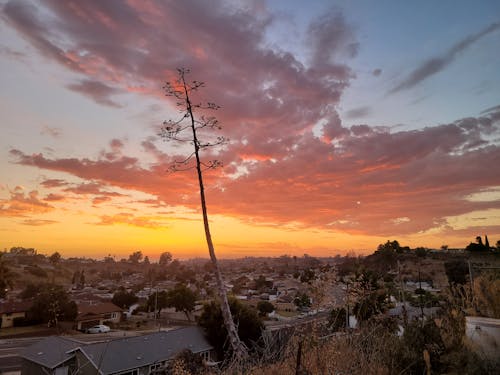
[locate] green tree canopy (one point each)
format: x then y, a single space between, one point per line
158 301
246 319
165 258
6 276
52 304
135 257
265 307
182 299
124 299
55 258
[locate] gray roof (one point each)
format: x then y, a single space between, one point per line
133 352
51 351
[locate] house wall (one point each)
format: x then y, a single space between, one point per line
8 318
32 368
114 317
85 367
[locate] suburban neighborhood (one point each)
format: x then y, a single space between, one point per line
134 316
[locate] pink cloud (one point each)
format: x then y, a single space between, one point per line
130 219
20 204
362 184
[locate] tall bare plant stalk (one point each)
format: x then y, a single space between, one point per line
175 131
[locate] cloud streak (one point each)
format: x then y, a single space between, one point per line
435 64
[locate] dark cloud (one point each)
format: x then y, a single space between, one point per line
376 72
358 112
97 91
438 63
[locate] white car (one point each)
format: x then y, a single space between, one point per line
100 328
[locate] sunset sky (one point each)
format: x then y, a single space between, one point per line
350 123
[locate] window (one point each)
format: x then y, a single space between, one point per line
128 372
156 366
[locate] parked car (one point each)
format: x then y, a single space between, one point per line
100 328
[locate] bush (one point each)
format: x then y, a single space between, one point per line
21 321
36 271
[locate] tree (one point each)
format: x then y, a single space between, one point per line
249 325
55 258
181 91
165 258
157 301
6 276
124 299
265 307
337 319
135 257
182 298
146 260
456 271
302 300
372 304
30 291
52 304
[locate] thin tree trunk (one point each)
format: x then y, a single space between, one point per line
239 349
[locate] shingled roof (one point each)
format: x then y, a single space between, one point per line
133 352
51 351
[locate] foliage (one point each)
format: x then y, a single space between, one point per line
52 304
265 307
186 362
487 294
456 271
246 319
78 279
389 247
337 319
478 246
36 271
55 258
124 299
18 250
416 339
157 300
421 252
30 291
302 300
372 304
307 276
6 276
261 284
135 257
182 299
165 258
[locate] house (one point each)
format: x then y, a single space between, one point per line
11 310
138 355
49 356
97 313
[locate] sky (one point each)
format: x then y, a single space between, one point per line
350 123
